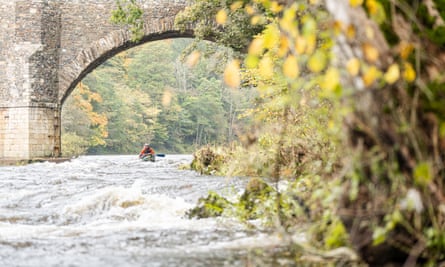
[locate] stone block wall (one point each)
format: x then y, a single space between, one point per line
44 131
16 136
29 133
3 116
7 26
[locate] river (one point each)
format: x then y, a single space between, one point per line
119 211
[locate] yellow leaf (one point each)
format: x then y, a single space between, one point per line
290 67
409 74
300 44
251 61
392 74
371 53
288 22
376 11
266 67
289 15
303 101
275 7
350 32
337 26
405 49
370 75
369 31
331 79
317 62
353 66
221 17
232 74
355 3
236 5
256 19
372 6
311 42
193 58
284 46
166 98
271 36
256 46
249 10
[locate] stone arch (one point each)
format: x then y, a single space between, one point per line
117 41
47 48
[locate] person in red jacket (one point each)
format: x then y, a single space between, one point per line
147 153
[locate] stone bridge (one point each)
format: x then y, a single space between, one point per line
46 48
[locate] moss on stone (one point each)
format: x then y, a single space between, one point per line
207 161
256 192
211 206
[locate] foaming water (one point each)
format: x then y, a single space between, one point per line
117 211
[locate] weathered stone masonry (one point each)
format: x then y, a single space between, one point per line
46 48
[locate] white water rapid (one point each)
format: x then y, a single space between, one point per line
119 211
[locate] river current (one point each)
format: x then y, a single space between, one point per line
120 211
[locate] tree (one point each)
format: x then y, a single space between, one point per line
368 74
236 35
81 118
147 95
379 60
395 127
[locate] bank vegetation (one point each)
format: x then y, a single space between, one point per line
349 122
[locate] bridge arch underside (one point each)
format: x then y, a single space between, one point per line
92 57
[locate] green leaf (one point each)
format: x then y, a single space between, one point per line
309 26
379 236
423 174
442 129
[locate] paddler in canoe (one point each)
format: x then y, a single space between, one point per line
147 153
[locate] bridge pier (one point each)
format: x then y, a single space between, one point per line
29 132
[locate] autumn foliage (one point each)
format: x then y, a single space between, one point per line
350 105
